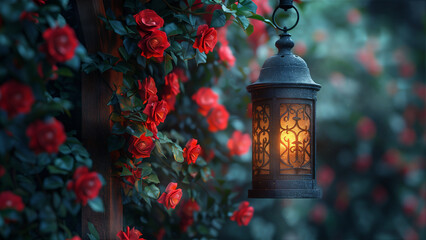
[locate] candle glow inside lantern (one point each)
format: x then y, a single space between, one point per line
284 104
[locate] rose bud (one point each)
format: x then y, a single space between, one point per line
206 99
206 39
172 84
130 234
244 214
147 88
171 197
218 118
225 55
239 144
191 151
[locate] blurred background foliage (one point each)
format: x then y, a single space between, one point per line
369 57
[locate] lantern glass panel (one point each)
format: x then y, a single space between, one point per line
295 138
261 139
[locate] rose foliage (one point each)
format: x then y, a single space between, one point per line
40 58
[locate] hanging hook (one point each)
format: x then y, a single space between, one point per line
285 29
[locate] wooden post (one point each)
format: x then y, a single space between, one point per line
95 118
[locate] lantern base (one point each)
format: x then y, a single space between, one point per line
285 193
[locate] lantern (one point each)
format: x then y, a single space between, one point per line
284 104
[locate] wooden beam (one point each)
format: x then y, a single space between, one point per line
96 92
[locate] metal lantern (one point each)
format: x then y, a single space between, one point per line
284 104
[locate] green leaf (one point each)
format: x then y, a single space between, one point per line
126 172
243 21
172 29
249 30
66 163
93 230
200 57
261 18
96 204
177 153
168 66
66 72
121 67
118 27
218 19
152 191
146 171
123 53
153 178
53 182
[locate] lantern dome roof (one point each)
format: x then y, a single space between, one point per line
285 69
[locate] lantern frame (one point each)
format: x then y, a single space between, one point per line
284 84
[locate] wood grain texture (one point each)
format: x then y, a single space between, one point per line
96 92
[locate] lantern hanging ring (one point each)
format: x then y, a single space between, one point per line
285 29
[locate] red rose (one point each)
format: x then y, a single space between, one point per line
225 54
186 214
141 147
46 136
208 155
171 197
191 151
148 21
325 176
154 44
244 214
260 34
85 184
172 84
15 98
52 72
170 100
151 126
156 110
160 234
206 39
353 16
60 43
30 16
147 88
2 171
74 238
136 174
218 118
407 137
130 234
300 48
366 128
181 74
363 162
239 144
221 35
318 213
206 99
380 194
40 2
9 200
